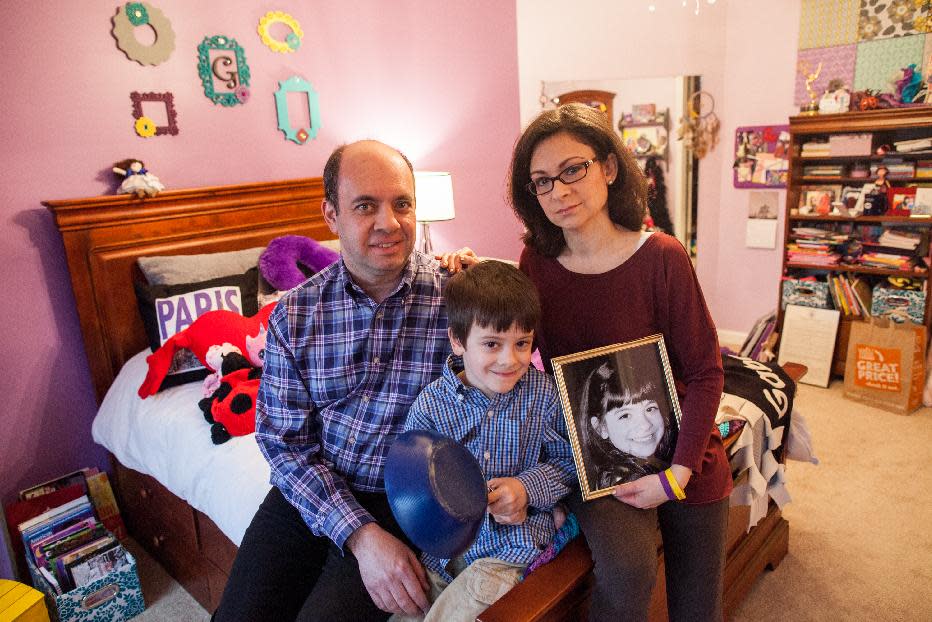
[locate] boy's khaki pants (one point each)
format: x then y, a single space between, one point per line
470 593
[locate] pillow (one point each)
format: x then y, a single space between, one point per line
178 269
169 309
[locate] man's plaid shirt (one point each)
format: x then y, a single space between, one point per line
340 373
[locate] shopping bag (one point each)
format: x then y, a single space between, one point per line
885 366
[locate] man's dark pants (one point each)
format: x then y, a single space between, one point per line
284 572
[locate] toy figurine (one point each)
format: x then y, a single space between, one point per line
137 180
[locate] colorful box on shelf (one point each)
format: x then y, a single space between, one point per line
805 293
849 144
899 305
111 598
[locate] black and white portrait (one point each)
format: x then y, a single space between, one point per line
622 412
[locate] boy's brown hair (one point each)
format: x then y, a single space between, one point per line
491 294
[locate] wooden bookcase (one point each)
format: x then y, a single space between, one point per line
886 127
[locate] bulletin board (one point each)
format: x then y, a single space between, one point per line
761 156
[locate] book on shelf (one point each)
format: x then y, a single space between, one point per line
908 146
897 168
815 149
862 294
898 238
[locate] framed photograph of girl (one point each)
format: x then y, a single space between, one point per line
621 411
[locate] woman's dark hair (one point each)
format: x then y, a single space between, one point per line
627 196
609 387
491 294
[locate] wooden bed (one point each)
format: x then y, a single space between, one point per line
103 236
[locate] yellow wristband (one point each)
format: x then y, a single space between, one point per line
675 485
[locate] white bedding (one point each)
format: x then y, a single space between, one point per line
166 436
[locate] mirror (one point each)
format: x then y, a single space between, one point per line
647 113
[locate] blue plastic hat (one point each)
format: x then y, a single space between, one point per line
437 492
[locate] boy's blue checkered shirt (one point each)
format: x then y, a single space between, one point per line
340 374
517 434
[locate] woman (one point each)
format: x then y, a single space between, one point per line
602 281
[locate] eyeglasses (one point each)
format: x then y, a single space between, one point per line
570 175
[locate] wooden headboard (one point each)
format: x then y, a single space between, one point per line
104 235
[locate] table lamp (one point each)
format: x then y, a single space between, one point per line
434 200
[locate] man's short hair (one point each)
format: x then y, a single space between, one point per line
491 294
332 173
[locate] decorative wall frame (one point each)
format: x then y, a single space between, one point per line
160 130
761 156
296 84
291 43
134 14
222 68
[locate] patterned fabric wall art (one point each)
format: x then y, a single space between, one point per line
879 62
837 62
883 19
828 23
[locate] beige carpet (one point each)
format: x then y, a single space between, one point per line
860 521
860 525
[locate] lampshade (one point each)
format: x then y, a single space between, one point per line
434 196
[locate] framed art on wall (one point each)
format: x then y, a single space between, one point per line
761 156
621 410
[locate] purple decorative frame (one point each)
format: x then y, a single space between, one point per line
166 98
763 139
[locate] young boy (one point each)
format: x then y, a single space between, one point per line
508 415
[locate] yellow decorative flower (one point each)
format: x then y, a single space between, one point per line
900 11
923 22
868 27
145 127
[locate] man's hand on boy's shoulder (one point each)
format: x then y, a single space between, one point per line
508 500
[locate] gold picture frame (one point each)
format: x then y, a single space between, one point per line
622 412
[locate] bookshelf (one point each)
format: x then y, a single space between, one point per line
885 127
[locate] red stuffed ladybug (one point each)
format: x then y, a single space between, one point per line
231 409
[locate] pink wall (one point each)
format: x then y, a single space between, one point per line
438 80
760 73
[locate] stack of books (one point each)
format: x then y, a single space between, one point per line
924 168
909 146
815 149
69 546
906 240
888 261
897 168
823 170
811 245
38 501
851 296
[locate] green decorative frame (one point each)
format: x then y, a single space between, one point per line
238 80
296 84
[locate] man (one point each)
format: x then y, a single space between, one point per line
346 354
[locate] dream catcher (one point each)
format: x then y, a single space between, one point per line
699 128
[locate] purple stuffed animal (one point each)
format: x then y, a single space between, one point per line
290 259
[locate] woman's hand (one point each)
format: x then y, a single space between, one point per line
644 492
457 260
647 492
